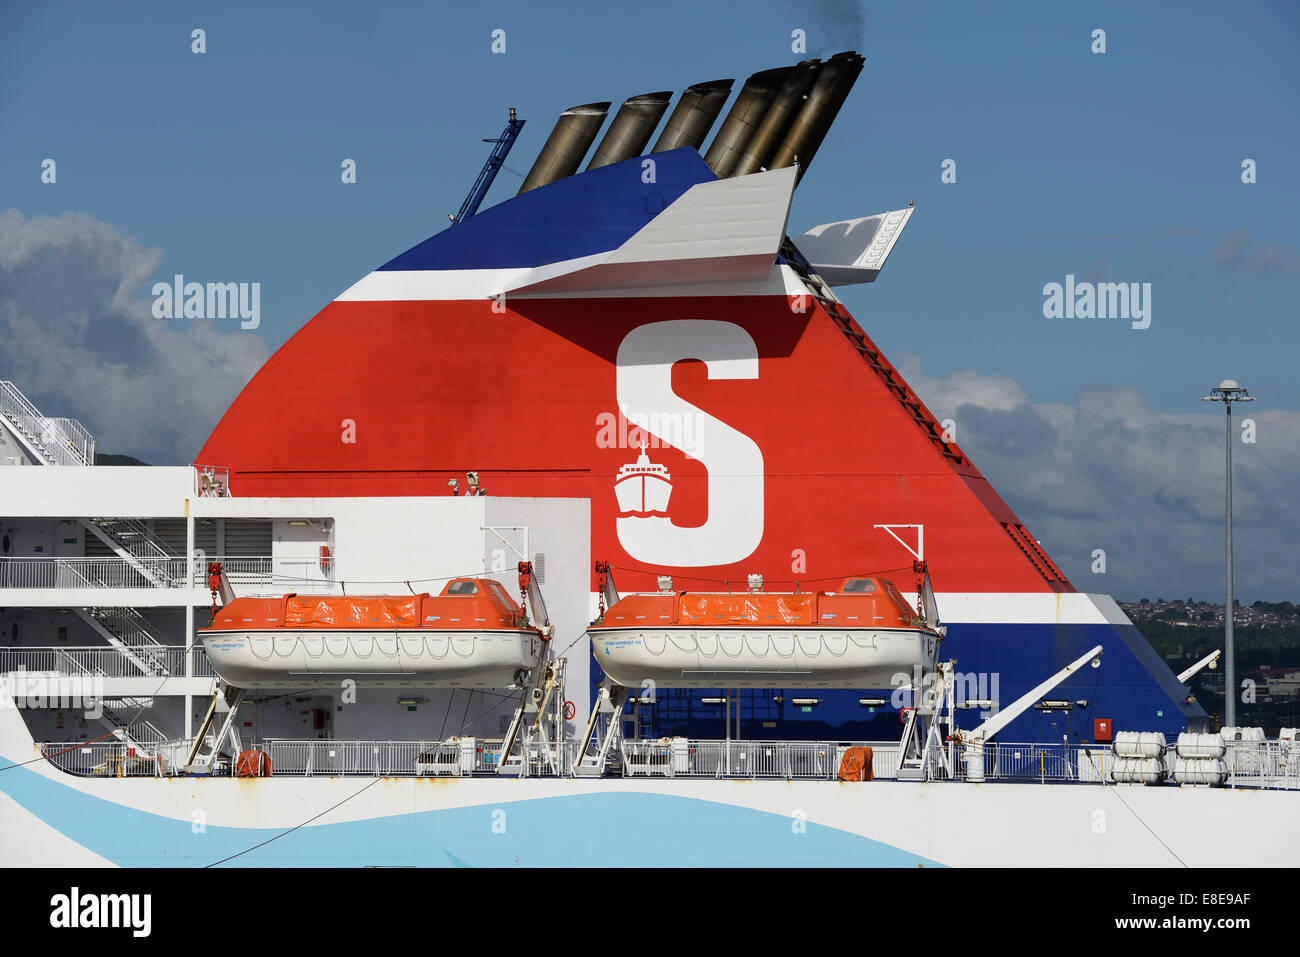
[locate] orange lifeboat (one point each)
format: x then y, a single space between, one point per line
472 635
859 637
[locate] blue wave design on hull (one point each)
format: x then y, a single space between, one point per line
596 830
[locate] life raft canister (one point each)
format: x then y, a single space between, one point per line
856 765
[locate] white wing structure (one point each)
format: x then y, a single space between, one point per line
853 250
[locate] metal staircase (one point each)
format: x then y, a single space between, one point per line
49 441
139 733
131 540
130 633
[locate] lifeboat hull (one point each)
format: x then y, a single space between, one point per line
421 658
684 657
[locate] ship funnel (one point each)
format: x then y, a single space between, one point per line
780 115
694 115
630 132
568 143
818 112
746 113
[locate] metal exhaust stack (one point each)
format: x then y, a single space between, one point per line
819 110
751 104
630 131
694 115
776 122
568 143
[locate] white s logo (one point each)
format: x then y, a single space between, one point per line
734 463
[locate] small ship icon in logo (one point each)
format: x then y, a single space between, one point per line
643 487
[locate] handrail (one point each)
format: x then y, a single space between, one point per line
48 435
243 572
102 661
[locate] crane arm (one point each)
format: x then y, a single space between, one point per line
1004 717
1209 659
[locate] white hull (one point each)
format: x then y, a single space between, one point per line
411 658
622 822
688 657
51 818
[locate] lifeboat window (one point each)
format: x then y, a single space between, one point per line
499 592
860 586
462 588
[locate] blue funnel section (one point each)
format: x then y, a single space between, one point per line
581 215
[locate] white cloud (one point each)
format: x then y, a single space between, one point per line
76 338
1148 487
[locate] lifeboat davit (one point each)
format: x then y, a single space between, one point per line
859 637
472 635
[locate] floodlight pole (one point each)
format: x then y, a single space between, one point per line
1228 392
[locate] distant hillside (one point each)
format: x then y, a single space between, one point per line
108 458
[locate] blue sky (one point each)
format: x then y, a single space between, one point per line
1122 166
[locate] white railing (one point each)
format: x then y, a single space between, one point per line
100 661
79 438
1262 764
786 760
45 434
261 573
1040 762
393 758
110 759
276 575
91 572
1258 765
380 758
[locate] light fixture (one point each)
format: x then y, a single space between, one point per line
755 583
297 522
805 702
871 702
1053 704
713 701
454 485
666 584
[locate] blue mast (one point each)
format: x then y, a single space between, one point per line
489 171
